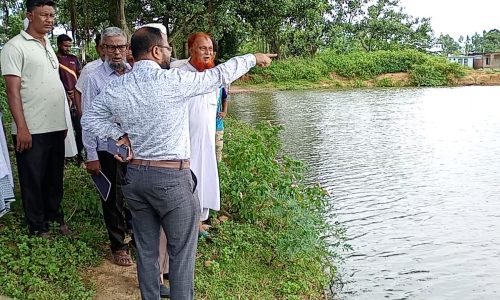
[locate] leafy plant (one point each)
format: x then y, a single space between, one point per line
274 245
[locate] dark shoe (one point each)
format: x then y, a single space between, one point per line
165 276
64 230
164 291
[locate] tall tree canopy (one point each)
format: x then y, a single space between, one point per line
286 27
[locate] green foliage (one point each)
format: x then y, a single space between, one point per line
435 72
448 45
359 66
35 268
385 82
376 25
274 247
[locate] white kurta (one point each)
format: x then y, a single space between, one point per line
202 113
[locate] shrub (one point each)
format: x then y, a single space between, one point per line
274 245
360 66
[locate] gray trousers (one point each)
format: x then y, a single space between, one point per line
163 197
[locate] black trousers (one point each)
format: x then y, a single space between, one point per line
113 209
77 126
41 171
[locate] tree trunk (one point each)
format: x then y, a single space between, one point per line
5 7
117 15
72 16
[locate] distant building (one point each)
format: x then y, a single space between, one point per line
464 60
489 60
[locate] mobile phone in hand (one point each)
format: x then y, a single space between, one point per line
122 150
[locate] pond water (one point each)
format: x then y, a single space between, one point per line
414 174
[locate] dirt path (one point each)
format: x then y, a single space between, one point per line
114 282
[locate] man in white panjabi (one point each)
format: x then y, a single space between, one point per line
202 113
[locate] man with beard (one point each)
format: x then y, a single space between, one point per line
202 112
36 100
114 43
152 105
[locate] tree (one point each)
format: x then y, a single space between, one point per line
117 15
11 19
377 25
491 41
448 45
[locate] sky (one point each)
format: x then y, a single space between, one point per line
456 18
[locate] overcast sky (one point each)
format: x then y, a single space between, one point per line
456 17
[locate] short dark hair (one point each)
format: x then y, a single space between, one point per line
143 40
31 4
63 38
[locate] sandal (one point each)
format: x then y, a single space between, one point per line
122 258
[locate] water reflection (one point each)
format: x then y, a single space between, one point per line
414 174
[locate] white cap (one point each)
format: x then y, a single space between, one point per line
160 26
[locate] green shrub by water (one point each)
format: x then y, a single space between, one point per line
425 69
274 247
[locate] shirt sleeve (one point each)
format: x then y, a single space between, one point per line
81 80
11 60
97 119
89 140
192 84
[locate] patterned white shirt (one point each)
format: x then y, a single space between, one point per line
151 104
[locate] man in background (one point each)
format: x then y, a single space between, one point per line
69 71
114 43
202 110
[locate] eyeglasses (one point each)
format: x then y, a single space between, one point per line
51 59
169 49
113 48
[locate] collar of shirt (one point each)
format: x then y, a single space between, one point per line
29 37
190 67
146 64
109 71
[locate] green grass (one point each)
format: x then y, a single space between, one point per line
35 268
274 245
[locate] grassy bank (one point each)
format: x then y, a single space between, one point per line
360 69
273 247
268 245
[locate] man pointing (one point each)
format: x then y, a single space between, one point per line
152 105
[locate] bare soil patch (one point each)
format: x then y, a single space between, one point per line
114 282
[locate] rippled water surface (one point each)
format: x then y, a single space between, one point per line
415 176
